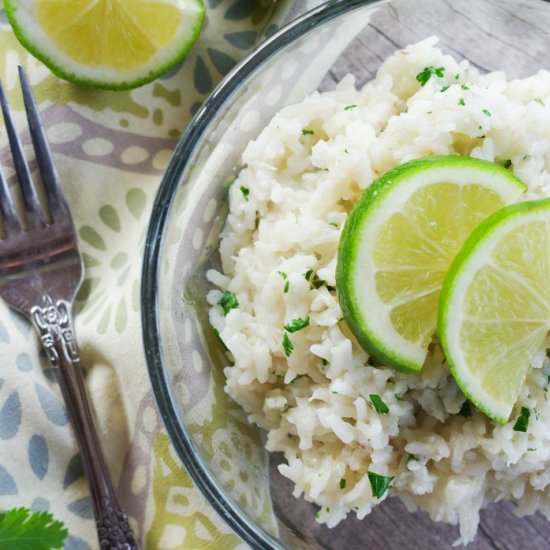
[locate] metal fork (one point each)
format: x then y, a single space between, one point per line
41 271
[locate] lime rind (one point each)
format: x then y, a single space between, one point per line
476 247
371 205
157 69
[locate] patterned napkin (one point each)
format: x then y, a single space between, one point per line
111 149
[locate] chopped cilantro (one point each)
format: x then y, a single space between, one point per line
285 279
379 483
288 346
318 514
308 274
324 362
411 457
26 529
307 132
350 107
334 224
461 102
297 324
465 410
522 423
486 112
228 301
507 163
531 449
445 88
342 483
539 101
465 87
427 72
378 404
457 76
245 191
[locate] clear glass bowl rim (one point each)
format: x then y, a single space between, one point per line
181 440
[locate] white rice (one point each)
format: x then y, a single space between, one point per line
301 190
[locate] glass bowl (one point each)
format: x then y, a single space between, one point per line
223 453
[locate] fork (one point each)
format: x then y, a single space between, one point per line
41 271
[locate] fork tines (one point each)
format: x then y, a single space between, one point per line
33 209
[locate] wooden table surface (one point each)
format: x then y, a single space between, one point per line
493 34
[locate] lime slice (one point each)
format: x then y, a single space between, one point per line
494 313
398 243
110 44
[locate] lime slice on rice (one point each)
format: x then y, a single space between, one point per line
494 313
398 243
110 44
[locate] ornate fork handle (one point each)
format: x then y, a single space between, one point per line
53 320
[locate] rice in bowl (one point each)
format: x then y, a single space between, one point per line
311 388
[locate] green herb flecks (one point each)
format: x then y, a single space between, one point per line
411 457
427 72
465 87
342 484
445 88
465 410
507 163
486 112
379 484
288 346
285 279
350 107
297 324
245 191
24 529
307 132
539 101
315 281
228 301
461 102
522 423
378 404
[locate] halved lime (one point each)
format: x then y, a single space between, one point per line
398 243
111 44
494 313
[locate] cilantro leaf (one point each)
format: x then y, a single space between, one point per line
297 324
228 301
307 132
342 483
522 423
379 404
461 102
288 346
379 483
245 191
465 87
465 410
486 112
445 88
23 529
350 107
285 279
427 72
